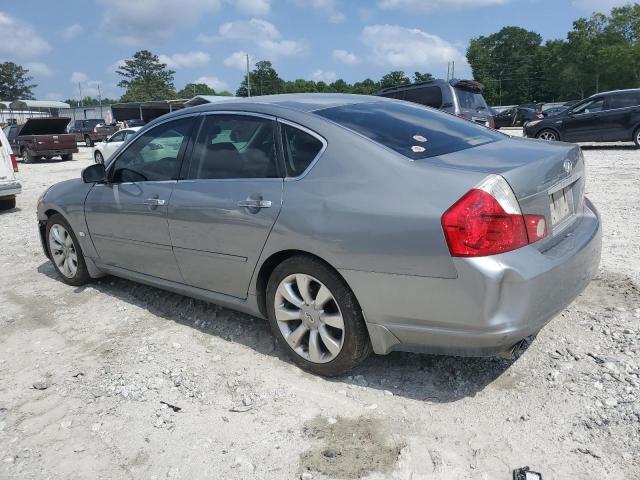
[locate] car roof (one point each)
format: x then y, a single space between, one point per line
615 92
302 102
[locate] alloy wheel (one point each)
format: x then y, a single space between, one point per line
63 251
309 318
548 135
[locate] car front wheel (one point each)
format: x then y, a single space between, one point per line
65 252
26 157
636 137
549 135
88 142
316 317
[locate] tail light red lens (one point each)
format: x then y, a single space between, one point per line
95 130
492 122
14 163
487 221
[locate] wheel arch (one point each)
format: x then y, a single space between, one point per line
268 266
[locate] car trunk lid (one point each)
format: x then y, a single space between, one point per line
547 178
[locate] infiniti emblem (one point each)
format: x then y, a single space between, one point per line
568 166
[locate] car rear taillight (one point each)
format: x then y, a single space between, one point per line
487 220
492 122
14 163
95 130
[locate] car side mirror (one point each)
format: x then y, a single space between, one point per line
94 174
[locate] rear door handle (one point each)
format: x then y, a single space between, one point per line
255 203
154 202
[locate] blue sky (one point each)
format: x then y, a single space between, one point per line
81 41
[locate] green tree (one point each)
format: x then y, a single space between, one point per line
394 79
366 87
15 82
90 101
146 78
422 77
264 80
190 90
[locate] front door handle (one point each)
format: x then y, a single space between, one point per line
154 202
255 203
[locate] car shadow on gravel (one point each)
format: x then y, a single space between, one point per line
10 210
609 147
435 378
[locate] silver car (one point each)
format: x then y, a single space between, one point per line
352 223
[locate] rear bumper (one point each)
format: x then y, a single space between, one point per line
10 189
492 304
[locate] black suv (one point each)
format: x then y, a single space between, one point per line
603 117
462 98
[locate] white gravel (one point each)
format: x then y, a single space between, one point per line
84 372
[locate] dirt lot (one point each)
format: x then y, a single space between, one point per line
118 380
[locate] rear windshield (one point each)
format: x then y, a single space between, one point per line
469 100
411 130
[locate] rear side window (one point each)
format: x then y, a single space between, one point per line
300 149
429 96
234 146
623 100
411 130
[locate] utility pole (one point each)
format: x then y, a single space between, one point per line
453 69
80 91
100 100
448 70
248 78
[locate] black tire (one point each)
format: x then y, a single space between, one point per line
7 203
98 157
548 135
26 157
81 276
636 137
87 141
356 344
67 157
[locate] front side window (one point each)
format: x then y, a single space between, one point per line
300 148
117 137
591 106
234 146
154 156
411 130
128 134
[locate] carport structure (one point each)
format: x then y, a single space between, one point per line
146 111
20 110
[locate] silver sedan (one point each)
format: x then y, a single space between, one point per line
352 223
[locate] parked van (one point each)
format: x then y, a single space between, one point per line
462 98
9 185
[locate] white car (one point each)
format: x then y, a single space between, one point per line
9 185
103 150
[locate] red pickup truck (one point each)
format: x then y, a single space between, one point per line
39 138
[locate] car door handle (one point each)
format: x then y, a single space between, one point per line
255 203
154 201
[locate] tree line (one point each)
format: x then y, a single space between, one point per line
600 53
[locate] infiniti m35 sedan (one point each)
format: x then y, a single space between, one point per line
352 223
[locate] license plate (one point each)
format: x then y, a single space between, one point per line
561 205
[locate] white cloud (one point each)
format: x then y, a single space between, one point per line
422 6
39 69
140 23
599 5
72 31
400 47
213 82
322 76
19 40
185 60
115 66
328 7
254 7
237 60
263 37
78 77
53 96
252 29
345 57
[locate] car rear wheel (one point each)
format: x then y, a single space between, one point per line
316 317
636 137
98 157
69 156
88 142
65 252
7 203
548 135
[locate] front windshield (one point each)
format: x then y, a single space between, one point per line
469 100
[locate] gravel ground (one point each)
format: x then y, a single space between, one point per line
119 380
